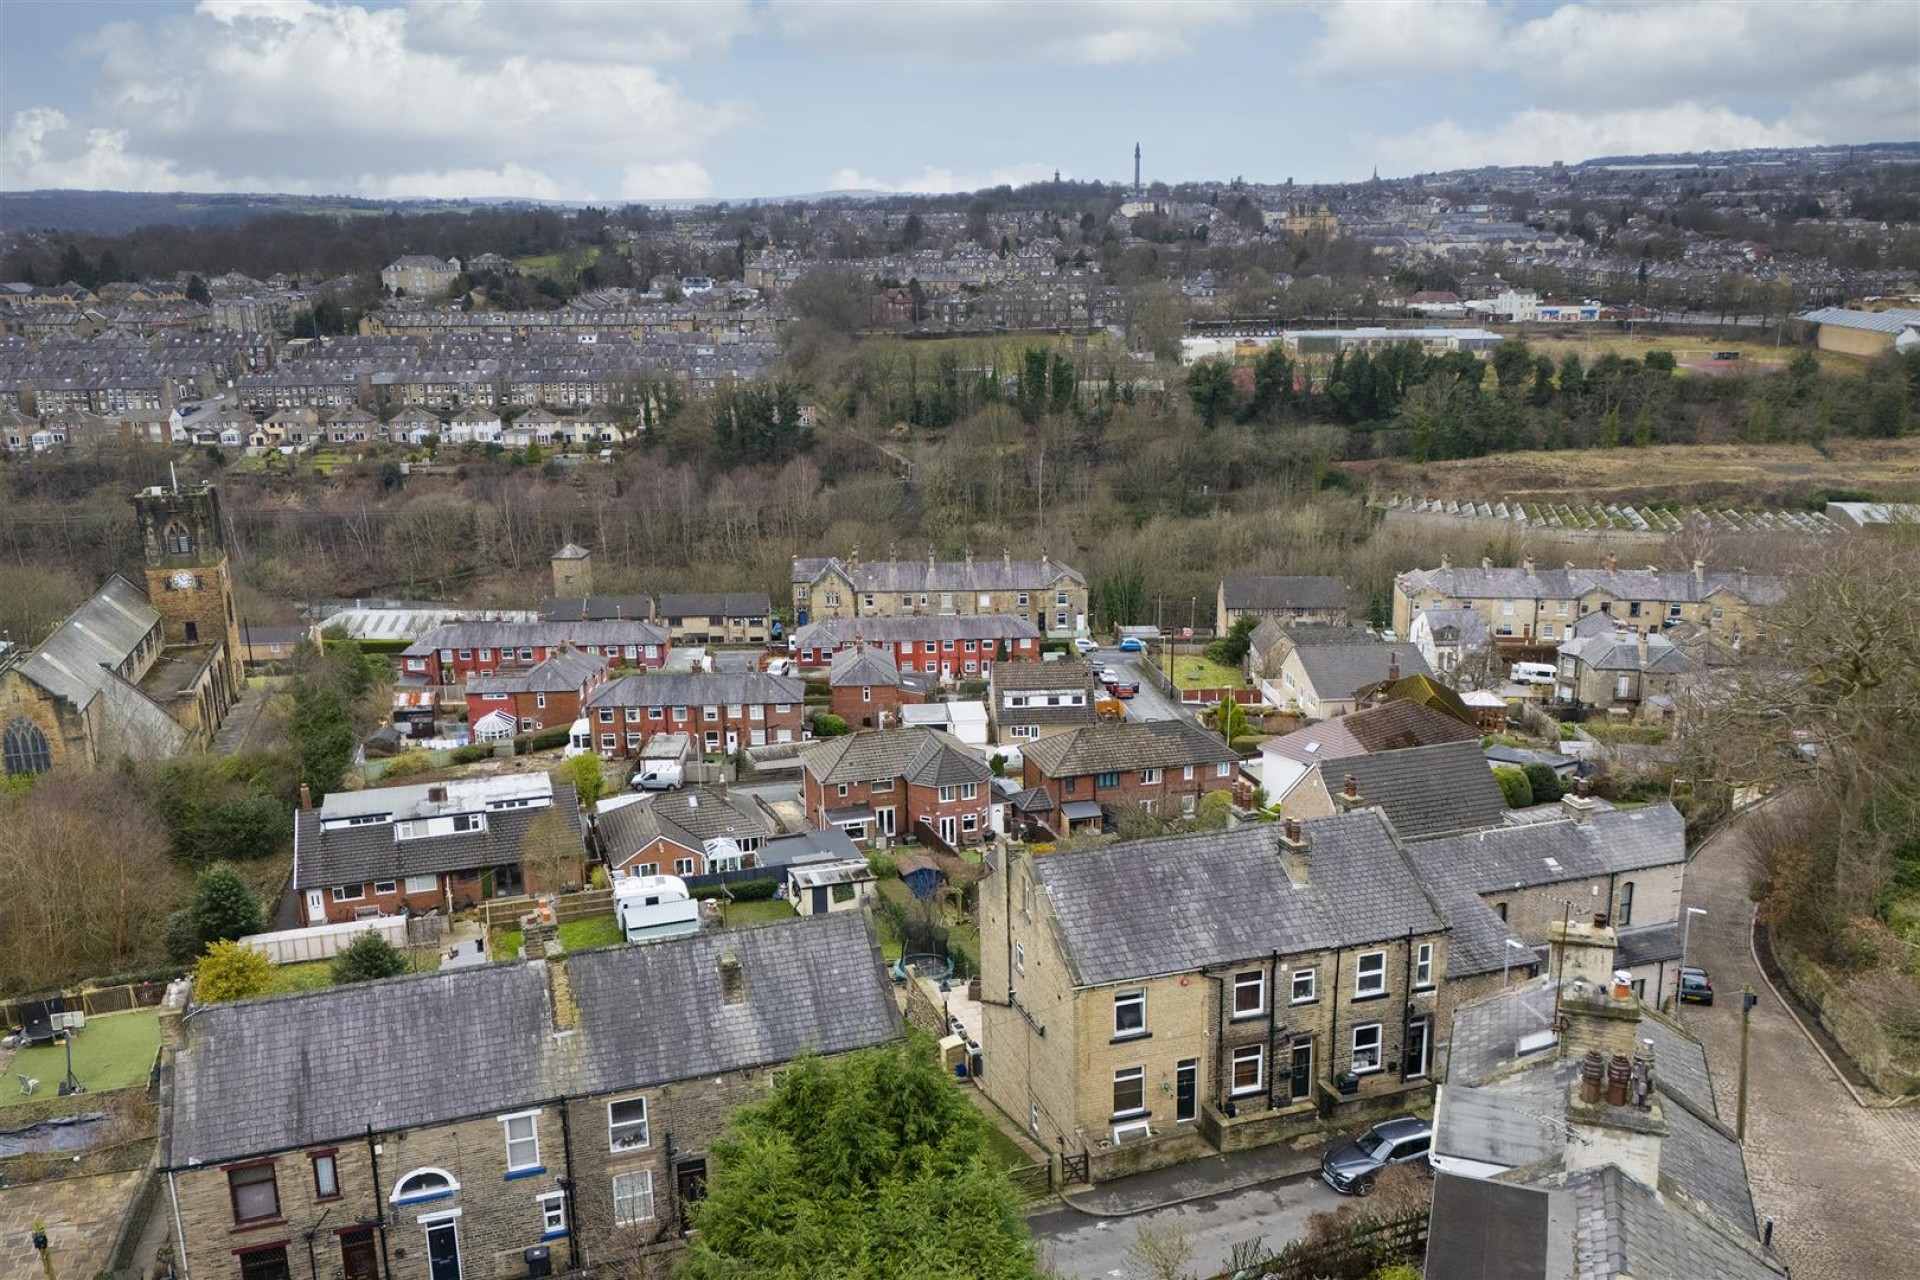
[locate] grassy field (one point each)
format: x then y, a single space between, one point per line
1725 474
1192 672
1755 353
112 1052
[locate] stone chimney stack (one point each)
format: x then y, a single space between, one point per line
1006 559
566 1013
1700 574
733 979
1613 563
1350 798
1527 564
1641 643
1446 561
1577 804
1614 1117
1486 562
306 797
1393 666
1295 856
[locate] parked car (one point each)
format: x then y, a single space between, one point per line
663 775
1123 688
1351 1167
1131 644
1082 644
1695 987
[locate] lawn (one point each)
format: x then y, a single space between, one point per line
1204 673
310 976
739 913
112 1052
594 931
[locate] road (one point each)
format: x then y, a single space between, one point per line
1841 1181
1149 703
1079 1247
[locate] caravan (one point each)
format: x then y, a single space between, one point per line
653 907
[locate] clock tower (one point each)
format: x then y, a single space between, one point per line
189 581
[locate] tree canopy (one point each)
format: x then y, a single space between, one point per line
870 1166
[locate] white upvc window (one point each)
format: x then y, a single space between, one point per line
627 1128
1149 777
1423 965
422 884
1249 1069
1305 988
632 1197
1370 974
1249 993
553 1214
523 1141
1366 1048
1129 1014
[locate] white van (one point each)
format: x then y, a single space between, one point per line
1532 673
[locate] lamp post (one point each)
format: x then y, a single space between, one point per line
1506 959
1686 928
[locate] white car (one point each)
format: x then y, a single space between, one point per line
1085 645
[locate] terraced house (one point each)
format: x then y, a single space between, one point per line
956 647
452 654
1051 595
447 1126
1153 1001
719 712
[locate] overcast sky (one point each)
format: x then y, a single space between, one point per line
649 99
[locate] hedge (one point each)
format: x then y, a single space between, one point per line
1514 786
1545 783
469 754
1247 743
743 891
545 740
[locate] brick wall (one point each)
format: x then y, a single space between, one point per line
631 727
866 706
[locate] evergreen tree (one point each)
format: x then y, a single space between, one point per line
368 957
229 971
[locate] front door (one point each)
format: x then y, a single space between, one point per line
1416 1054
885 817
443 1250
950 830
359 1259
819 900
733 741
316 907
1186 1090
1300 1082
690 1185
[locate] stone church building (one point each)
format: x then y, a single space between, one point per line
133 673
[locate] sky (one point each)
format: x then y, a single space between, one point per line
636 100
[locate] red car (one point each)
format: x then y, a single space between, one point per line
1122 688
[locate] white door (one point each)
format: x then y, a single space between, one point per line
316 907
733 742
1623 687
950 829
886 821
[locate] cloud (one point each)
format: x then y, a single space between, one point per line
342 97
934 180
45 149
1390 40
1087 32
1537 135
672 180
648 31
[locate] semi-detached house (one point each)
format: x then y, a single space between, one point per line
718 711
898 782
439 1126
1087 774
546 695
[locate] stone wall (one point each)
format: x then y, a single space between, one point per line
1880 1058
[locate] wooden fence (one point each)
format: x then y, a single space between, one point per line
505 913
1367 1245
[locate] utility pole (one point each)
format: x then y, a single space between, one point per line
1747 1001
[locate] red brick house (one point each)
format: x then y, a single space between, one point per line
719 712
950 646
868 690
460 650
1164 766
893 782
546 695
439 846
690 832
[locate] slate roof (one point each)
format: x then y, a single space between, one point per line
1508 856
1279 593
596 608
1463 627
1126 745
1649 943
518 635
102 632
716 604
1063 676
270 1075
356 855
832 633
863 667
806 846
705 689
940 575
688 817
1426 791
1336 671
1391 726
1502 583
1625 1229
1497 1231
1180 903
564 672
1614 652
923 757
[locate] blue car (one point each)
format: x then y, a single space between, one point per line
1131 644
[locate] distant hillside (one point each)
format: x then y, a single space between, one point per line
110 213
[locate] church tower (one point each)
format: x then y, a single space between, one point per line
189 581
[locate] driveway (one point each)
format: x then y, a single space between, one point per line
1841 1181
1079 1247
1149 703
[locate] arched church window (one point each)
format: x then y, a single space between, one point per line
23 748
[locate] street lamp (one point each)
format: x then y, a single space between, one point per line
1506 958
1686 927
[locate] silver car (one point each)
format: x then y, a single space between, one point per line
1351 1167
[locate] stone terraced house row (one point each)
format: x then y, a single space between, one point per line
1051 595
442 1126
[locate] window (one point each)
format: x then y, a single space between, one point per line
1500 909
255 1194
1304 986
1249 1074
947 793
1366 1047
627 1125
1033 1118
349 892
1019 958
1249 994
1370 976
1423 965
1059 597
1626 905
1023 599
606 715
683 866
632 1197
1149 777
1130 1091
523 1142
969 790
469 822
1129 1014
486 655
880 786
1106 780
553 1214
709 713
326 1177
269 1263
540 701
1186 773
845 787
24 749
383 886
1224 769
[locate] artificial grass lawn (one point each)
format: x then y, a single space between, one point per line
1203 673
111 1052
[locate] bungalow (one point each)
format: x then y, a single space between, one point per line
1394 726
694 831
1162 766
1322 680
898 782
546 695
435 847
1423 791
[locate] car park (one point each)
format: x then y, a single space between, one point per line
1351 1167
1695 986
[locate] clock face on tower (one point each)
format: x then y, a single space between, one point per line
181 581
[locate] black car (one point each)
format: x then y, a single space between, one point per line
1350 1168
1695 987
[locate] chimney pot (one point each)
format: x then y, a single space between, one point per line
1351 786
1592 1071
1619 1073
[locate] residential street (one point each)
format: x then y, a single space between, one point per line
1080 1247
1841 1182
1149 703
